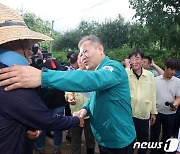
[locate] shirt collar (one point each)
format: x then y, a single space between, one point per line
10 58
162 77
137 75
70 68
144 73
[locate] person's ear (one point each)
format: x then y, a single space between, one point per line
101 49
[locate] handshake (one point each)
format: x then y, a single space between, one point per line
81 114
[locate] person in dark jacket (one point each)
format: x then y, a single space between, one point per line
22 109
53 99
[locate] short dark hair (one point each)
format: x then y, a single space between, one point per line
69 54
172 63
73 58
148 58
135 52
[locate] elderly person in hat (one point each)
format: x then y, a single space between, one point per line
22 109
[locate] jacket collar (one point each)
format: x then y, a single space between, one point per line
103 62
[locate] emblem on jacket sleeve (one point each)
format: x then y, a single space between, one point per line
108 68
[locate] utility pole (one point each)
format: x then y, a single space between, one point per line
21 10
51 31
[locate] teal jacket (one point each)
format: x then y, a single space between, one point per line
109 105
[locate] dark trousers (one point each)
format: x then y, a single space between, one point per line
76 134
126 150
142 131
166 121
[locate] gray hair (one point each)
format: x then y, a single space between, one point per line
92 38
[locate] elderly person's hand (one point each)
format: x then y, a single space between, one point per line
20 77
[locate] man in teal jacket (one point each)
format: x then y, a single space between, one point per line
109 105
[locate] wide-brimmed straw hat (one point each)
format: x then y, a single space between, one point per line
13 27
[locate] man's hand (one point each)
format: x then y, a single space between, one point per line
71 100
173 107
33 134
152 63
81 114
152 119
20 77
81 119
127 63
176 102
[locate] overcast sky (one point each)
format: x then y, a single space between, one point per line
67 14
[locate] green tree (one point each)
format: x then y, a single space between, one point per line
138 36
113 33
86 28
69 40
162 19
